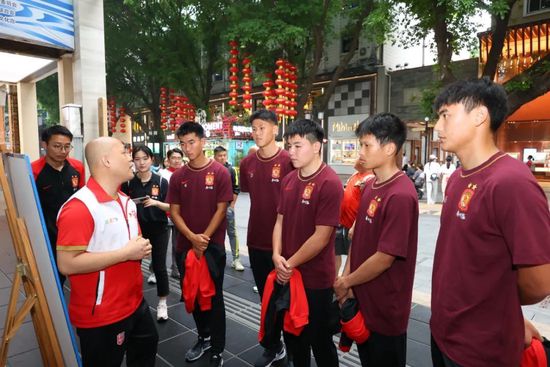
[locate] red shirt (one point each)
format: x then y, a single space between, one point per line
307 202
352 196
262 177
123 282
387 221
494 218
198 192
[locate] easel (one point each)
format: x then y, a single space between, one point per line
26 273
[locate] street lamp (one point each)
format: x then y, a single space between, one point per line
426 120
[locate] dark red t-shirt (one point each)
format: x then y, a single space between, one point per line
261 177
352 197
198 192
306 202
494 218
387 221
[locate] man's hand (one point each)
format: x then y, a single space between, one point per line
200 243
530 333
283 269
150 202
137 248
341 289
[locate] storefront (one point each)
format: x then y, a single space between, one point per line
343 145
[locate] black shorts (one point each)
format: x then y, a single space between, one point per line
342 242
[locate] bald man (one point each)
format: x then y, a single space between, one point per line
99 247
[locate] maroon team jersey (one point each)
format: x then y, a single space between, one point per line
387 221
306 202
198 192
262 177
495 217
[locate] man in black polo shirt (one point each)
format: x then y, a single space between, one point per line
57 177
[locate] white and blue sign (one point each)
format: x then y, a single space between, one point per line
43 22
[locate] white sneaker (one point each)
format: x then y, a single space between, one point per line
162 311
152 279
236 264
255 289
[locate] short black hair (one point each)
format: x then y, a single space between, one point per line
190 127
309 129
219 149
386 128
172 151
142 148
55 130
265 115
476 92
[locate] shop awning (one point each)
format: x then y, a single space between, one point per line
16 68
536 110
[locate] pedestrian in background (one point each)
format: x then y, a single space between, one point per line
149 190
492 254
220 155
261 173
445 171
303 239
380 268
175 161
100 248
431 169
57 177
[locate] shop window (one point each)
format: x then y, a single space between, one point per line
537 5
346 45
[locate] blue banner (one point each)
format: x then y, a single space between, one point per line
41 22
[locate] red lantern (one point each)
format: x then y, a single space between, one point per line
233 61
247 71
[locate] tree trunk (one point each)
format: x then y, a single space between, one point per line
497 41
537 79
443 40
344 61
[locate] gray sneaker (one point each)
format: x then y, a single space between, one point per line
201 346
216 360
269 357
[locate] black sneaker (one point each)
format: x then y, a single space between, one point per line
270 356
216 360
201 346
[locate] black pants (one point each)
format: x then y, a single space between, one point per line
261 262
136 336
159 236
439 359
212 323
316 334
383 351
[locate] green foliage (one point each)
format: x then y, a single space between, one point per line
427 99
48 98
521 84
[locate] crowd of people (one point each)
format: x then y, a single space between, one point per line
492 253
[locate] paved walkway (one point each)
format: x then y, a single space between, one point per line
242 304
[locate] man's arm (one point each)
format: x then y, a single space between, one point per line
375 265
217 218
80 262
312 247
198 241
281 265
533 283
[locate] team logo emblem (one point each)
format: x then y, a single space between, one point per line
308 190
373 206
276 171
120 338
74 181
155 190
466 197
209 180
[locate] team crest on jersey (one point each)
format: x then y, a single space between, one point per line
155 190
209 181
466 197
276 172
308 191
373 206
120 338
74 181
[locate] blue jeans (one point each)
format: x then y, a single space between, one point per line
232 232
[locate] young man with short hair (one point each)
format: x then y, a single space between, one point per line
57 177
492 253
100 248
260 174
303 239
380 267
220 155
198 195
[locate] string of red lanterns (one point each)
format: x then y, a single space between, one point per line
111 117
233 69
247 72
